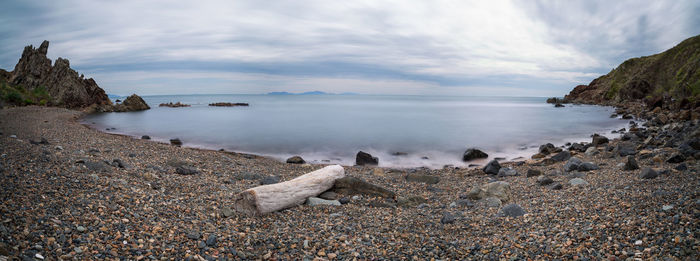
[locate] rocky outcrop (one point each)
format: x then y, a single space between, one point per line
228 104
669 79
64 85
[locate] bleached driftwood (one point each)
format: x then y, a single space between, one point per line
274 197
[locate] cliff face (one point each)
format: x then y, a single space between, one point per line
667 79
65 87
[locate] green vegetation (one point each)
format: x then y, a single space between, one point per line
18 95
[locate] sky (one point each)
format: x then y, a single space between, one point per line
481 48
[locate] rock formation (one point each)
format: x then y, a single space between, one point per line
63 84
668 79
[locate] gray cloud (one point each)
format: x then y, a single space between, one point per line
432 47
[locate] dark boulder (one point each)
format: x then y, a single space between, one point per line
472 154
561 156
547 148
558 105
648 173
533 173
176 142
626 149
295 160
145 137
364 158
631 163
186 170
599 140
511 210
492 167
676 158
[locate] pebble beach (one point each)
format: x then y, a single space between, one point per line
70 192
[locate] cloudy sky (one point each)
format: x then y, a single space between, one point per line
501 48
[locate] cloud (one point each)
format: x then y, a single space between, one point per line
450 47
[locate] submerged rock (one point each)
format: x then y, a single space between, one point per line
472 154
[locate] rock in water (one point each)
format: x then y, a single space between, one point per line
176 142
145 137
631 163
472 154
296 160
62 83
492 167
364 158
511 210
648 173
131 103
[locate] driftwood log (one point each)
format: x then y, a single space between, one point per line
274 197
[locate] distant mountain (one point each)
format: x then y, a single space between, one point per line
314 93
280 93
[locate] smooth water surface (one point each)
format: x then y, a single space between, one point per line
431 130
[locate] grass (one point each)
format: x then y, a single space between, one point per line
18 95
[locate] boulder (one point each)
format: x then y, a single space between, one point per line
533 173
511 210
572 164
588 166
352 186
186 170
176 142
492 202
131 103
472 154
296 160
631 163
599 140
145 137
648 173
578 147
503 172
427 179
676 158
363 158
591 151
547 148
498 189
492 167
561 156
626 149
544 180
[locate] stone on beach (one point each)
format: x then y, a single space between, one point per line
533 173
578 182
296 160
511 210
648 173
314 201
599 140
186 170
631 163
353 186
498 189
176 142
492 167
424 178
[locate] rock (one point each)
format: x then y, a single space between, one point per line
131 103
296 160
591 151
248 176
511 210
97 166
681 167
547 149
270 180
572 164
447 218
172 105
676 158
626 148
120 164
498 189
314 201
666 207
427 179
648 173
561 156
194 235
631 163
472 154
556 186
538 156
544 180
329 195
364 158
352 186
229 104
492 202
410 201
176 142
63 85
504 172
588 166
211 240
558 105
344 201
81 229
577 182
463 203
13 136
186 170
533 173
58 147
578 147
227 212
599 140
42 141
492 167
145 137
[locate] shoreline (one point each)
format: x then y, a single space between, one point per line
513 153
72 204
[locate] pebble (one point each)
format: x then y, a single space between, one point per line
447 218
211 240
39 256
578 182
81 229
666 207
314 201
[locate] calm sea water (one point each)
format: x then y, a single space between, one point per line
431 130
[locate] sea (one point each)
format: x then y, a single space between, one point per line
402 131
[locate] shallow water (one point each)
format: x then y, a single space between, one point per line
332 128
